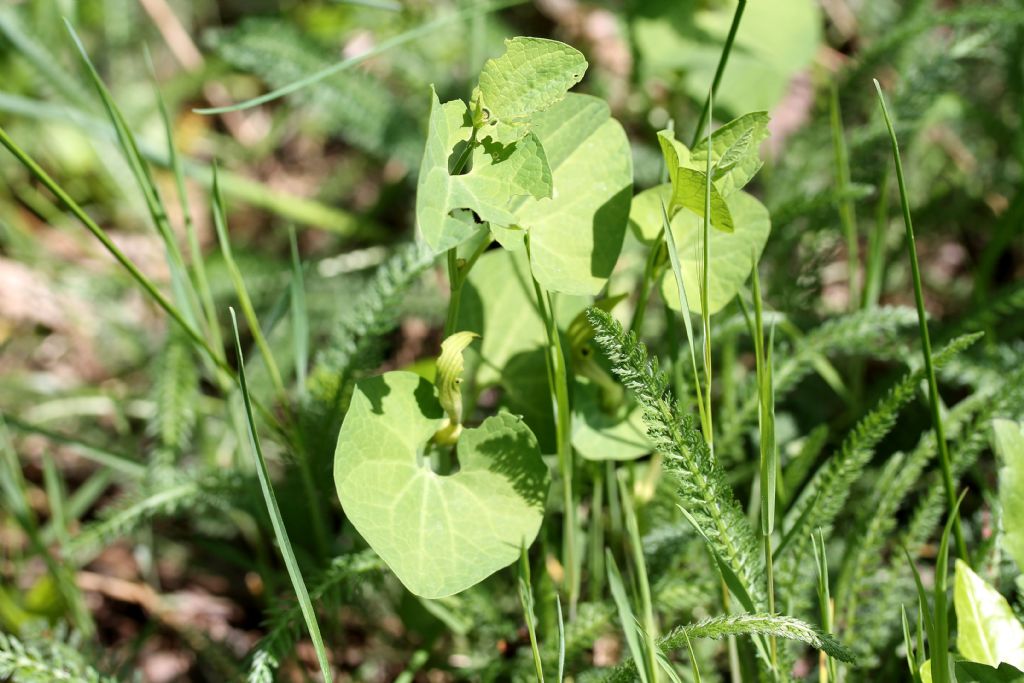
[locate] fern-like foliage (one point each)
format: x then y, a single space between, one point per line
47 659
878 331
165 496
283 625
702 486
353 104
175 394
829 489
716 628
885 580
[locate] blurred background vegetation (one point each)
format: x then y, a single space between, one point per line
89 373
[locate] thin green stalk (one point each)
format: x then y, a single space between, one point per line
380 48
643 582
828 670
926 346
43 177
558 383
220 223
280 532
705 113
299 314
706 274
597 536
875 266
526 600
847 212
769 453
202 283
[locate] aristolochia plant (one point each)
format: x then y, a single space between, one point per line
548 175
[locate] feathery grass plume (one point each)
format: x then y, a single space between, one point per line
46 658
715 628
703 489
826 494
165 496
282 628
175 392
876 332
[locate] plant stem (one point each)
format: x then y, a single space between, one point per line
643 583
558 382
847 213
705 279
926 346
722 61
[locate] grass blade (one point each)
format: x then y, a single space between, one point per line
275 516
526 600
299 315
926 346
629 626
220 222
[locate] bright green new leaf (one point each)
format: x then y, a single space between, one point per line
689 186
439 534
602 435
1009 444
532 75
987 629
730 257
576 235
735 155
449 374
498 174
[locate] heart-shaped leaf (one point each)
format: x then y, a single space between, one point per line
439 534
497 174
730 253
576 235
988 631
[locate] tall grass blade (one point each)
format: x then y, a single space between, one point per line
629 626
926 347
280 532
526 600
220 222
299 315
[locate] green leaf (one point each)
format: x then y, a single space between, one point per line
498 174
439 534
735 156
689 186
988 630
1009 445
973 672
600 433
730 258
532 75
576 235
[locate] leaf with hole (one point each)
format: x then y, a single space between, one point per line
532 75
440 534
497 174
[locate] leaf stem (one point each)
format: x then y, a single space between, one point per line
558 382
926 346
705 113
